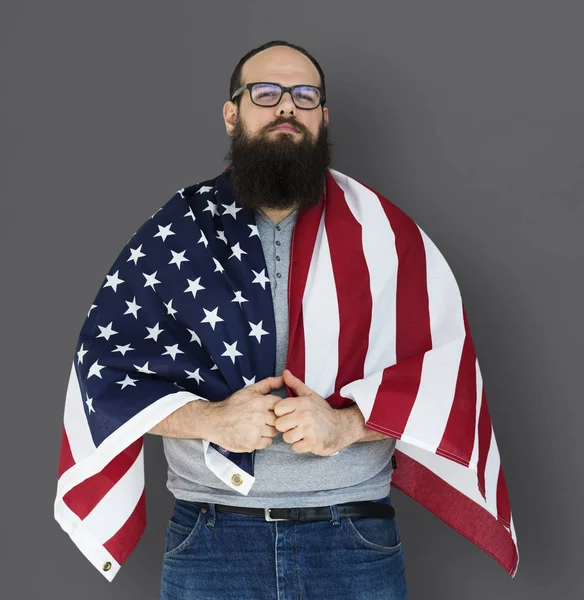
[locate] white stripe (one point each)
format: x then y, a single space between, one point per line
430 412
116 507
492 475
320 313
225 469
474 457
363 392
75 421
378 240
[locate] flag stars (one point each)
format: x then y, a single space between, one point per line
164 232
135 254
221 236
127 381
203 239
173 351
218 266
89 403
113 281
254 230
194 375
261 278
248 381
154 332
257 331
194 337
91 308
212 317
95 369
169 310
178 258
106 332
237 251
151 280
190 213
239 298
204 189
212 208
145 369
231 210
123 349
231 351
194 286
80 354
133 308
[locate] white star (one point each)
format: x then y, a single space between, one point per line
190 213
164 232
106 332
231 351
173 351
145 369
194 337
178 258
157 211
136 253
221 236
194 286
194 375
212 317
181 192
231 210
203 189
203 239
212 207
257 331
261 278
95 369
151 280
127 381
133 308
154 332
218 266
80 354
169 310
239 298
214 367
91 308
248 381
237 251
89 403
123 349
113 281
254 230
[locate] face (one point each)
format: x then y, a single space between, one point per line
276 168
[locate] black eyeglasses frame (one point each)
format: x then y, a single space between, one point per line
283 90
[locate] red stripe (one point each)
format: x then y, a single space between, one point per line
484 442
456 510
400 383
458 438
123 542
353 288
503 506
83 498
66 460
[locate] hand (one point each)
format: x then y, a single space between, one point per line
245 421
308 421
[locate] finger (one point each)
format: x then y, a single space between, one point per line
268 431
265 386
295 384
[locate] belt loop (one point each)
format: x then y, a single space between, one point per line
334 514
211 514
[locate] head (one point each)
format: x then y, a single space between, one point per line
275 168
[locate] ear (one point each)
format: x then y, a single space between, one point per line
229 116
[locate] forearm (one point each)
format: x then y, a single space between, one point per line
190 421
355 428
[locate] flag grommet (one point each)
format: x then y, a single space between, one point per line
107 566
237 479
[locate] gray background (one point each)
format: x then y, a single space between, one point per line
467 114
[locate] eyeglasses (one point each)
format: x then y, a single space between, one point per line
262 93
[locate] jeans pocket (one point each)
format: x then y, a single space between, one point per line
182 529
375 533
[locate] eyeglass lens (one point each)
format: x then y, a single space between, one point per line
266 94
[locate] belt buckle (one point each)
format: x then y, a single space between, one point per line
269 518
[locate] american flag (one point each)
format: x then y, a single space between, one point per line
375 318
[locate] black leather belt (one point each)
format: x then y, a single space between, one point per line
364 508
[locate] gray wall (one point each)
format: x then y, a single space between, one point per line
467 114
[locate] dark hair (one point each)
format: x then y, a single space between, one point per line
235 82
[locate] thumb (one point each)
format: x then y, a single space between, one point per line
295 384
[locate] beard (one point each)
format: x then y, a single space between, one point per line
276 170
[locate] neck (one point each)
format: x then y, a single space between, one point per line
277 215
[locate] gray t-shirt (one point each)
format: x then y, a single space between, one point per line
361 471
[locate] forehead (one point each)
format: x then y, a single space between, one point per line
280 64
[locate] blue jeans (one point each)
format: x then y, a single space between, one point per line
212 555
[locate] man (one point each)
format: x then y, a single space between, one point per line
281 488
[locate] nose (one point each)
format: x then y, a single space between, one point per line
286 104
